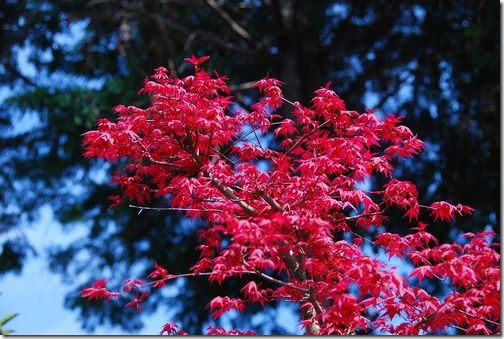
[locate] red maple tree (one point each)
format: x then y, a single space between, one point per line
274 214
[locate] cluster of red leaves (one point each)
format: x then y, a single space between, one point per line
98 291
190 146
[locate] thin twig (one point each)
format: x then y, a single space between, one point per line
289 102
478 317
257 138
176 209
151 159
306 136
357 216
244 137
222 155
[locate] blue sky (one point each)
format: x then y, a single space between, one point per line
37 295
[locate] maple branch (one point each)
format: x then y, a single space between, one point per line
272 202
280 282
164 163
210 199
230 195
216 183
256 273
295 261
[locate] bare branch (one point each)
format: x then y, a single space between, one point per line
260 274
176 209
242 86
233 24
165 24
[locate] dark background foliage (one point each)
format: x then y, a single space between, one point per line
434 62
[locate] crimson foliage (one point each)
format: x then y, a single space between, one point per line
276 215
